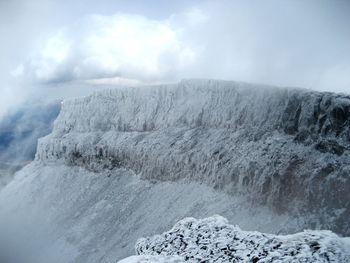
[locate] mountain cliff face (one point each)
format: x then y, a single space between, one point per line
284 148
130 162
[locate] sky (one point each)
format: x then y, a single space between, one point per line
52 49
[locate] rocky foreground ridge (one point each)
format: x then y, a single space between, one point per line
214 240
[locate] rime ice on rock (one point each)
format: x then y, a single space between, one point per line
284 148
152 259
214 240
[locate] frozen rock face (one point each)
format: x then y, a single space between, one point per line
214 240
287 149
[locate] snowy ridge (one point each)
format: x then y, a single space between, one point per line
214 240
210 103
284 148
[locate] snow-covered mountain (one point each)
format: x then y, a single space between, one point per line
131 162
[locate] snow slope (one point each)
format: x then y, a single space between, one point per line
130 162
85 217
214 240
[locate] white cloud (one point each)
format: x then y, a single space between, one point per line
52 61
126 46
18 71
289 43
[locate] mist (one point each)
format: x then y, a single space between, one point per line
20 130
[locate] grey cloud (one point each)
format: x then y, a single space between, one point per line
290 43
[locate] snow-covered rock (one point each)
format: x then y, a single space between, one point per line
214 240
152 259
287 149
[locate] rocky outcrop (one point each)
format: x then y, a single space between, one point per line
214 240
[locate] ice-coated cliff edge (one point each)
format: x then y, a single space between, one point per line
287 149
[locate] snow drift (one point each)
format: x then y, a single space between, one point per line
131 162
